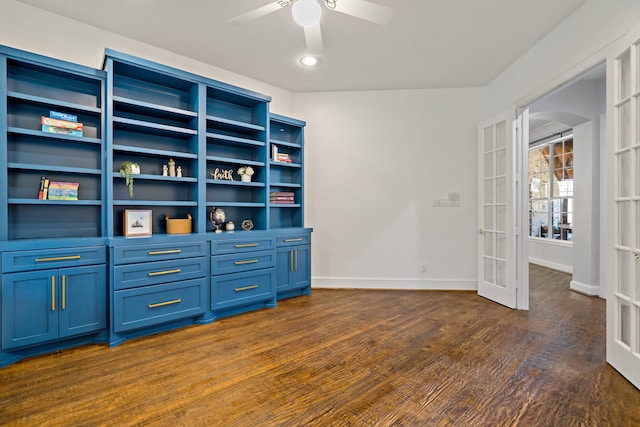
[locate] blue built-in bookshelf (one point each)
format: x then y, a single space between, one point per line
74 270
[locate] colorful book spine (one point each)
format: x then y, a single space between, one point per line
61 123
45 191
63 131
63 116
282 193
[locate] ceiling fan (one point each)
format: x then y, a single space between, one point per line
307 14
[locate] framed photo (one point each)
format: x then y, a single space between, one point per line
137 223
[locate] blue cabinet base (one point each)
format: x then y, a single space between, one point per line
294 293
220 314
15 355
118 338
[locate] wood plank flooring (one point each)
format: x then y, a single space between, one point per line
345 358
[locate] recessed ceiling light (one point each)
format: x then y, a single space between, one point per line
309 61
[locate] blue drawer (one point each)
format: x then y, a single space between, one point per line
152 273
233 263
303 238
158 252
237 289
53 258
239 245
151 305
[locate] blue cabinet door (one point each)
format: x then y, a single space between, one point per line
293 267
82 300
29 309
40 306
284 264
301 274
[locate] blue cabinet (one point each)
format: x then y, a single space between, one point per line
293 264
157 285
45 305
243 272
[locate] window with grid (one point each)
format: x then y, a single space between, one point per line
551 188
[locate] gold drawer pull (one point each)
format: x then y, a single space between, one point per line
299 239
162 304
160 273
64 292
58 258
246 245
249 261
53 293
245 288
168 251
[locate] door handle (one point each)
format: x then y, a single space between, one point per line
64 292
53 293
480 231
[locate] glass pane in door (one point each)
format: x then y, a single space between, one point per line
625 322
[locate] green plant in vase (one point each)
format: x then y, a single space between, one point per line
127 170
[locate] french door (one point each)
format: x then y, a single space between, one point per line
499 229
623 202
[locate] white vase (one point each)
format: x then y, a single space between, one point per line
245 178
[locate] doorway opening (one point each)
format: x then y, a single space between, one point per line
567 205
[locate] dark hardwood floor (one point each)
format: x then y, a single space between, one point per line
345 358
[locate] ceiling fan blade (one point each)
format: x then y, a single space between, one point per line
313 37
255 13
363 9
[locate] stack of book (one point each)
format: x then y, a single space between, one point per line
278 156
282 197
57 190
63 123
63 190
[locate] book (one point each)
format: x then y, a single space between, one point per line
65 124
274 152
63 131
282 202
63 116
45 191
282 193
63 190
291 198
41 191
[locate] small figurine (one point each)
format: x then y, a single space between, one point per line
172 168
165 170
179 172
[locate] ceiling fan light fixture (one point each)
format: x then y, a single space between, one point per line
309 61
306 12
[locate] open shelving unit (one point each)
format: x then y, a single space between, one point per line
33 86
287 136
153 117
236 136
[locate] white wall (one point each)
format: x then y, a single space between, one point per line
32 29
554 254
376 161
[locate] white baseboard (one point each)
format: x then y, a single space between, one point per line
585 289
394 284
552 265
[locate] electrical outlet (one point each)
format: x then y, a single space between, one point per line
423 267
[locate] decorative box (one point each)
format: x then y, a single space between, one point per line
178 225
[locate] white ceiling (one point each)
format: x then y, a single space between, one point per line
427 43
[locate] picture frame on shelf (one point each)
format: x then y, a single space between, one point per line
137 223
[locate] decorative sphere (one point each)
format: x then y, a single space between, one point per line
217 217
